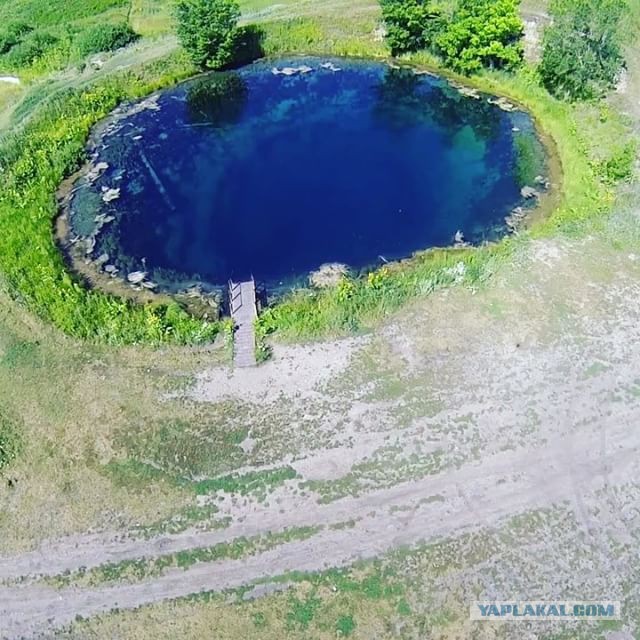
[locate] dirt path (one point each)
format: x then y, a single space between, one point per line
474 497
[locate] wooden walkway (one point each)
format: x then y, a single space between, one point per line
244 311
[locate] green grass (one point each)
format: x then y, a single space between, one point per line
138 475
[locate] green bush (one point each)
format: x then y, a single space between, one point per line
105 37
31 48
582 50
207 30
12 35
620 166
483 33
411 24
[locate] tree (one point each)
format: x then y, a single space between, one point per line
483 33
582 51
207 29
410 24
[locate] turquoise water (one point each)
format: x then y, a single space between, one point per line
263 173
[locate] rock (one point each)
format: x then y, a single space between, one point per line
102 259
330 67
147 284
459 240
529 193
515 219
468 92
543 182
328 275
109 195
502 103
10 80
110 268
96 171
136 277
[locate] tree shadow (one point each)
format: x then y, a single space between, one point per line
217 99
248 45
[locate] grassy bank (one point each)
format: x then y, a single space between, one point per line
33 164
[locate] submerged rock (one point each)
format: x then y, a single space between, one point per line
136 277
503 103
291 71
102 259
109 195
515 220
529 193
467 92
96 171
328 275
330 67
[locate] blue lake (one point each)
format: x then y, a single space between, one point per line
285 165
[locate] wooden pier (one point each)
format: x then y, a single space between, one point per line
244 311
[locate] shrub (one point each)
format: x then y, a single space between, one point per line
483 33
10 37
105 37
207 29
411 24
620 166
30 49
582 50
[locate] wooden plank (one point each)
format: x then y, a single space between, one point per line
244 312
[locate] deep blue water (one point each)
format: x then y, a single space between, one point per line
256 173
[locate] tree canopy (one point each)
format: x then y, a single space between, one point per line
582 54
411 24
207 29
483 33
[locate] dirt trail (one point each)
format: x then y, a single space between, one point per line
547 477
